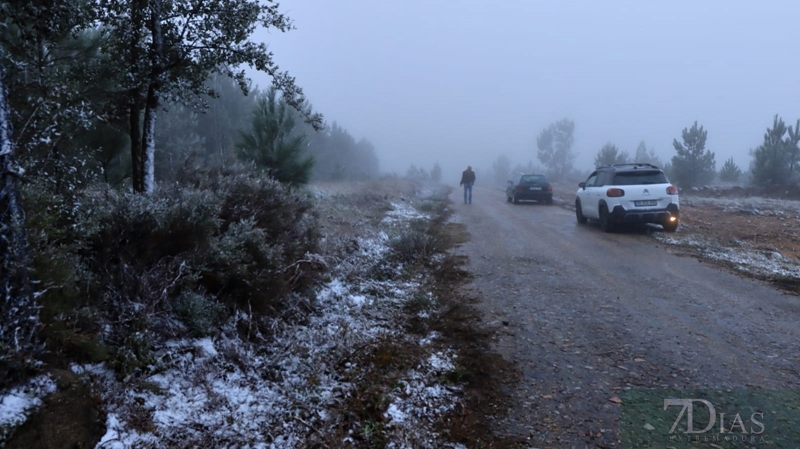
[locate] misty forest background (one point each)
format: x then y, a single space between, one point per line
773 163
135 151
142 171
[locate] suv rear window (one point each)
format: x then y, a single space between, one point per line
640 177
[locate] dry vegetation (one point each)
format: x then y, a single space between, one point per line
352 333
754 236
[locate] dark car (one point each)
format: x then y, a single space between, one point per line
529 187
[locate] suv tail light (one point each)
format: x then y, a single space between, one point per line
613 192
672 190
549 187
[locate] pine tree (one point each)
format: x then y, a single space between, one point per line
555 147
436 172
609 155
501 168
273 144
645 156
693 165
774 160
730 172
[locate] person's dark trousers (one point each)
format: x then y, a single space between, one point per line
468 193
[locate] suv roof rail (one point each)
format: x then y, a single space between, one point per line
633 165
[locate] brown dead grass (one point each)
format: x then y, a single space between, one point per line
771 228
767 230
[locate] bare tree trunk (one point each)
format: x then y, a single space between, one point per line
19 314
137 158
151 108
135 109
148 142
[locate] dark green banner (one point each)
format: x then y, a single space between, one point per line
710 419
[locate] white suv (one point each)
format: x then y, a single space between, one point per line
628 194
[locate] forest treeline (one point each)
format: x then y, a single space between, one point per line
148 190
774 162
97 91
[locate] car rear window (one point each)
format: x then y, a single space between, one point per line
531 179
640 177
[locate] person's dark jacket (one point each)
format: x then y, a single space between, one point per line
467 177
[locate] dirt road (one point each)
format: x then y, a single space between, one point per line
586 315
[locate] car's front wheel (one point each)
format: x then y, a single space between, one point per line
579 212
605 220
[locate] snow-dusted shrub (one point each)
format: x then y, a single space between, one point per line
134 353
172 264
127 228
283 213
417 242
242 266
200 313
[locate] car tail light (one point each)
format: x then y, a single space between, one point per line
549 187
612 193
520 188
672 190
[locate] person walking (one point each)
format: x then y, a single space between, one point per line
467 180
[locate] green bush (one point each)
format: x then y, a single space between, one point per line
243 268
201 314
135 353
151 264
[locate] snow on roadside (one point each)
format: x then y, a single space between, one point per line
755 205
226 392
421 397
760 262
402 212
18 403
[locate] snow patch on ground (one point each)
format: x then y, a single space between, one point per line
770 263
402 212
17 404
755 205
227 392
421 396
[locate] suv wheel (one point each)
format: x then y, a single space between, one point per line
605 220
670 226
579 212
508 199
515 200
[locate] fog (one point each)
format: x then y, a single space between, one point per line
462 82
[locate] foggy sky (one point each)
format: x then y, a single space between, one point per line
461 82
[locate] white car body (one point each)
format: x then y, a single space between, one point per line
628 194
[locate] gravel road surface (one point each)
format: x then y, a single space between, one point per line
587 316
